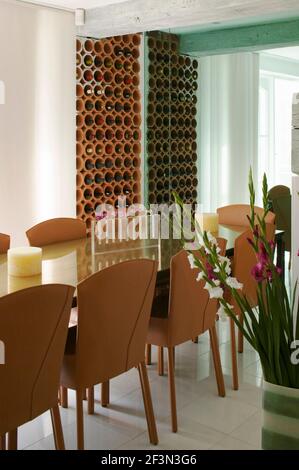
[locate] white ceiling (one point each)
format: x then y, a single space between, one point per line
287 52
73 4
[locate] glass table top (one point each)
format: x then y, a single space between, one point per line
71 262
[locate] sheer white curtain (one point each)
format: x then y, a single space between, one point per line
229 127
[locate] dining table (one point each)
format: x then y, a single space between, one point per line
73 261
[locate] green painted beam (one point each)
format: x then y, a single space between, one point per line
242 39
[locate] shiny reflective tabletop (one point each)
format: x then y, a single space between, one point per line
71 262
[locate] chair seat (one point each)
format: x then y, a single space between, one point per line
68 371
158 332
161 333
69 377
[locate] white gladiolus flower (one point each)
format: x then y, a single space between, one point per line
211 238
216 293
228 270
191 261
217 269
200 276
224 259
233 283
200 239
215 281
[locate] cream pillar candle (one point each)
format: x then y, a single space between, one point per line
208 221
16 283
24 261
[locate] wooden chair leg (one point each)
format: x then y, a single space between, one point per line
160 361
63 397
3 442
148 405
84 394
234 354
80 423
12 440
217 361
90 400
57 428
195 339
105 394
148 354
240 335
171 380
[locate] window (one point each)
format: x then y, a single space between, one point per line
275 125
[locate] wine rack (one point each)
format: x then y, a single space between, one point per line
108 119
171 121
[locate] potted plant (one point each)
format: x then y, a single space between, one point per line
272 328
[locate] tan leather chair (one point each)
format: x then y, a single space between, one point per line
279 190
55 231
190 313
281 200
160 307
114 308
236 214
33 329
243 262
4 243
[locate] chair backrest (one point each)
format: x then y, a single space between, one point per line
4 243
33 329
55 231
236 214
279 190
114 308
282 207
244 260
191 311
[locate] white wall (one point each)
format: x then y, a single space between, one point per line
37 121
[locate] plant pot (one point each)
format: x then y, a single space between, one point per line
280 429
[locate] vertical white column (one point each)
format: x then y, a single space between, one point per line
295 227
295 189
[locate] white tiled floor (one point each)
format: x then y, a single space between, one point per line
205 420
